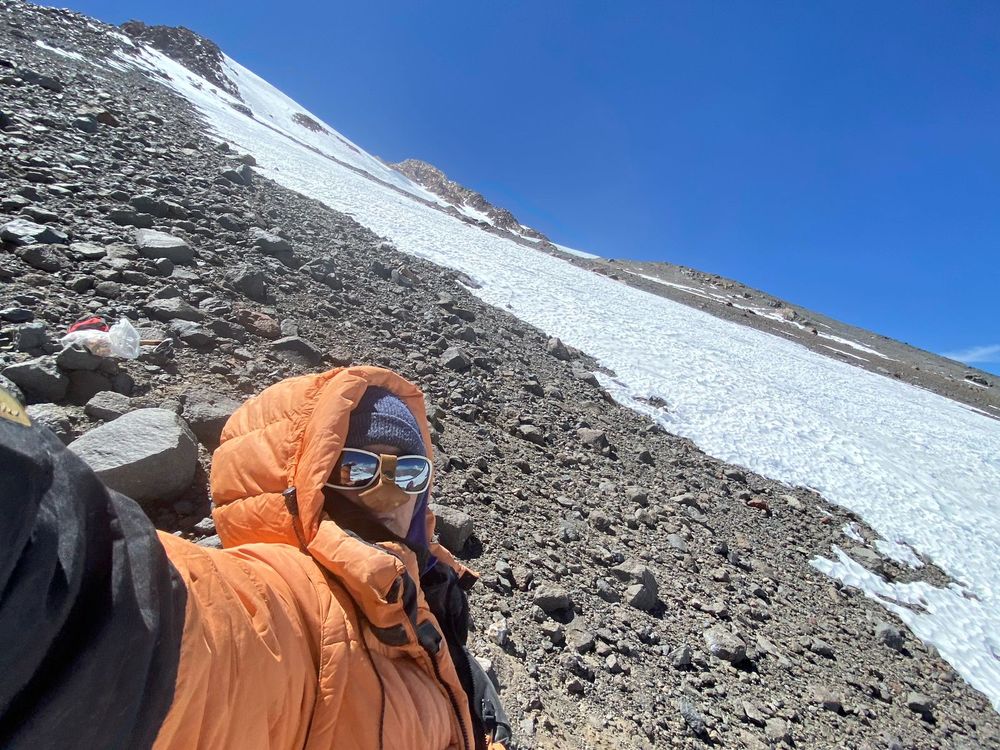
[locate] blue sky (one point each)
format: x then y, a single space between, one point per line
842 155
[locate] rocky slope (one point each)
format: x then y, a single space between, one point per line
460 196
635 592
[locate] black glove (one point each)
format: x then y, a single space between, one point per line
487 702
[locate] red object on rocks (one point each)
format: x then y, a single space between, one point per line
89 323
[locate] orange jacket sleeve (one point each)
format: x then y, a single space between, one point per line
248 667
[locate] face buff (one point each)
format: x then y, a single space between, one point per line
385 495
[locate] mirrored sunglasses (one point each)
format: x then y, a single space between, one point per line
357 469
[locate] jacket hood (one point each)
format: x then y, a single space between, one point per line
276 452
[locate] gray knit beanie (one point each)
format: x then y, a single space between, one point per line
381 417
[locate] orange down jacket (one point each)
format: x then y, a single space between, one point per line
299 634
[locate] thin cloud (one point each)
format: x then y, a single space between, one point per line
988 353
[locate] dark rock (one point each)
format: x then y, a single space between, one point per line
126 217
29 336
680 657
920 704
456 359
644 592
78 358
149 204
297 349
16 315
38 79
232 223
40 379
243 175
889 635
594 438
825 697
694 720
85 122
558 349
250 282
821 648
85 384
531 433
192 334
42 257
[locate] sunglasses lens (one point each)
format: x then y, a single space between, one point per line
354 469
413 473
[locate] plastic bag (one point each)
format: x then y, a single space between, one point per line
121 340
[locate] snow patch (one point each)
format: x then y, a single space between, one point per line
853 531
899 552
61 52
577 253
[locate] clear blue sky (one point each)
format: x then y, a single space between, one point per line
842 155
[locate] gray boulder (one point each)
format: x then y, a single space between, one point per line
40 379
78 358
242 175
453 527
40 79
55 418
643 593
251 283
24 232
87 251
270 244
29 336
551 598
173 308
154 244
46 258
725 644
147 454
152 205
206 415
455 359
558 349
594 438
889 635
298 350
108 405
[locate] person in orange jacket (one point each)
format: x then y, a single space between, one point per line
328 620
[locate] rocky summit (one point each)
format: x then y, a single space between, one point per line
635 592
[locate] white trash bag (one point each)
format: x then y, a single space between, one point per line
121 340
